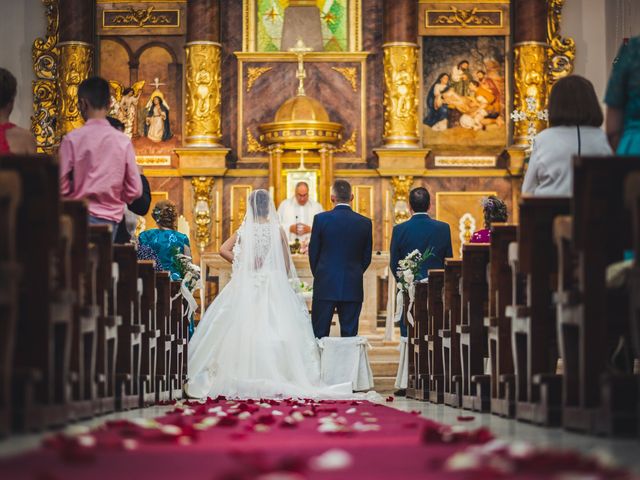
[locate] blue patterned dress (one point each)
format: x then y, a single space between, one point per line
623 93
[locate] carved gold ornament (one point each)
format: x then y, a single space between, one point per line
400 102
401 188
350 146
562 50
253 74
465 17
253 146
202 91
202 200
350 74
45 54
75 66
530 92
141 17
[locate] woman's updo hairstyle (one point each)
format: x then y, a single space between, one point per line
165 214
495 210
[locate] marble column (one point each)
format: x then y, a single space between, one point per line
401 79
202 74
530 67
75 62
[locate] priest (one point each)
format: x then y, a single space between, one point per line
296 214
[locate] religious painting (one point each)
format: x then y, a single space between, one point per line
334 16
464 93
146 99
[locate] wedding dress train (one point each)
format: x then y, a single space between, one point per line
255 340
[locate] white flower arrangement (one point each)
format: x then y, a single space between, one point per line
408 271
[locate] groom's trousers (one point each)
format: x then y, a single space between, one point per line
348 314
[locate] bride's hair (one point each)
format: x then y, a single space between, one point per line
260 202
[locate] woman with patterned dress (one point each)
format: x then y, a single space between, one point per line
495 211
13 139
623 100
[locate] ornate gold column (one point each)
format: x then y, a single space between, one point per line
202 75
202 187
275 168
530 90
202 94
75 62
400 201
401 79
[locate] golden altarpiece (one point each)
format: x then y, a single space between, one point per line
224 97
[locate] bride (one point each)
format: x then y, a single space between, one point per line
255 340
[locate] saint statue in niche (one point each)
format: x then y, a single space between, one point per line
157 127
124 105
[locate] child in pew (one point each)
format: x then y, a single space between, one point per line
495 211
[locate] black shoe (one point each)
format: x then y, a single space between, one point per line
400 393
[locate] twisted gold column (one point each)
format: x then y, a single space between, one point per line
530 89
75 65
202 89
401 88
202 187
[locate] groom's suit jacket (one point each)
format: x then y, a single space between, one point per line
339 253
418 233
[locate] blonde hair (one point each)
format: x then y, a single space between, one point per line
165 214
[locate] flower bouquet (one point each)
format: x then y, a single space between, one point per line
190 275
408 274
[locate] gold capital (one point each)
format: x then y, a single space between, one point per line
400 102
202 92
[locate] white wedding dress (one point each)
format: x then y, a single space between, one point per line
255 340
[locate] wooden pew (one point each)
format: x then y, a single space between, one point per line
432 337
498 324
42 337
130 332
593 317
533 263
449 333
10 199
179 353
148 301
108 319
632 200
419 368
84 263
164 376
473 334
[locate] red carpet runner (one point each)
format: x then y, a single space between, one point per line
290 440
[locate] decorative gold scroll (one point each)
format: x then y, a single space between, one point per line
253 74
562 50
45 54
463 18
202 201
530 87
350 145
202 92
350 74
140 17
401 85
75 66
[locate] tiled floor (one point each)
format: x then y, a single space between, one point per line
622 452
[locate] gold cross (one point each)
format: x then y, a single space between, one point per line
300 49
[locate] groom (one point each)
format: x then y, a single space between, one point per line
339 253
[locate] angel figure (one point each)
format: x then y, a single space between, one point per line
124 105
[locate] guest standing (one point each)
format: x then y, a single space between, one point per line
339 254
97 162
420 232
13 139
495 211
575 118
165 240
623 100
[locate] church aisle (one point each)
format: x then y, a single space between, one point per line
291 440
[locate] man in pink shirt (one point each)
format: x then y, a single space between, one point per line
97 162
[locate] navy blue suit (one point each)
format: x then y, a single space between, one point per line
339 253
419 233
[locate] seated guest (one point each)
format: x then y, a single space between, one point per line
575 118
97 162
296 214
495 211
165 240
623 100
139 206
13 139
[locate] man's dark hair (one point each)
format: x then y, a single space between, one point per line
342 191
8 87
463 62
420 200
573 101
115 123
95 90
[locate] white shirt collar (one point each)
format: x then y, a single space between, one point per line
343 204
420 213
